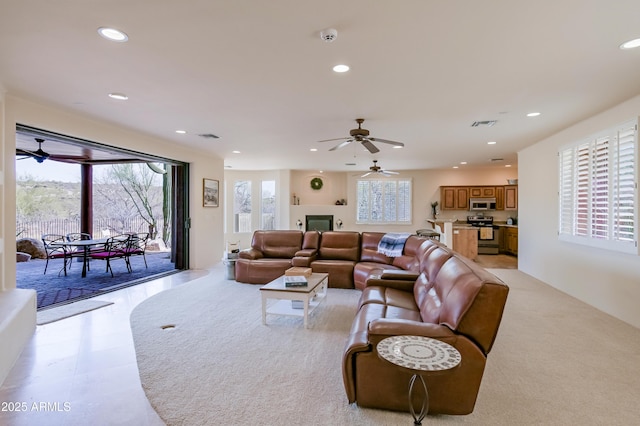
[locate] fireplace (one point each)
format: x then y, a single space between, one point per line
319 223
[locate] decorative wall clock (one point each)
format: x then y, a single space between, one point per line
316 183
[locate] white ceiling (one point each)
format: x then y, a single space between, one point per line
257 74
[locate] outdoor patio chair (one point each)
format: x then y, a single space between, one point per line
74 251
137 246
55 249
114 248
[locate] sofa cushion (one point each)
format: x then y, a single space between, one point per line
390 297
340 245
369 249
340 271
280 244
409 260
464 297
260 271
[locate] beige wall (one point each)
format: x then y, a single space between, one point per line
206 234
342 185
610 281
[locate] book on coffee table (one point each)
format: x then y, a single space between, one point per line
295 281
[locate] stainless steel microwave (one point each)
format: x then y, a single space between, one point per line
476 204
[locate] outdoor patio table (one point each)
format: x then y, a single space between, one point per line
85 245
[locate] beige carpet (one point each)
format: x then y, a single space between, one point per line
47 316
556 361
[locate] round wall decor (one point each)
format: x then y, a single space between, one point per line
316 183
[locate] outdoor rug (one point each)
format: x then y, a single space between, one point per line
47 316
54 288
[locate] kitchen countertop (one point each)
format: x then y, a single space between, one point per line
505 225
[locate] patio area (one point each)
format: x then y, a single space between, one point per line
56 289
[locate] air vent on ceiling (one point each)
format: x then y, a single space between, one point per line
209 136
486 123
497 159
349 164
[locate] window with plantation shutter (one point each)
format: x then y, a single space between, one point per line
597 194
385 201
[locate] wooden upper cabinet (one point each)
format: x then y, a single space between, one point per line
457 197
482 191
499 197
454 198
511 197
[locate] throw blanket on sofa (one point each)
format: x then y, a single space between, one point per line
392 244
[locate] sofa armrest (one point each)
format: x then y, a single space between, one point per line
357 342
306 253
399 274
251 254
385 327
390 278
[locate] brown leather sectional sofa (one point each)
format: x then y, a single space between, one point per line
428 291
452 299
349 257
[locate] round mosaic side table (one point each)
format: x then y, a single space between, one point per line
422 355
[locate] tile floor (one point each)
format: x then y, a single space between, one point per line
82 370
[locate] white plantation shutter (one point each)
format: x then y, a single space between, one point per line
384 201
598 190
624 181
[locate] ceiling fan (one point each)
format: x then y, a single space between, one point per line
379 170
361 135
40 155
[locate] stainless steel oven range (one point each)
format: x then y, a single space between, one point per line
488 234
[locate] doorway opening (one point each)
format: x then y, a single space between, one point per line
102 193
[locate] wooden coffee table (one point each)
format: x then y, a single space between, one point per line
311 296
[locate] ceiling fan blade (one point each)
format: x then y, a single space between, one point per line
387 141
366 174
370 147
341 144
336 139
389 172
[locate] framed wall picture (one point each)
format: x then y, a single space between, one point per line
211 193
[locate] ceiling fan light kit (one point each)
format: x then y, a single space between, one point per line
375 169
362 135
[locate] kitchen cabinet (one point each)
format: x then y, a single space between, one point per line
499 197
454 198
465 241
457 197
511 197
482 191
509 240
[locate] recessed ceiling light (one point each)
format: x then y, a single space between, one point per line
533 114
113 34
455 167
182 132
313 149
118 96
463 162
631 44
341 68
507 165
236 152
492 143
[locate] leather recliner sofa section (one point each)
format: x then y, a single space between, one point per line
270 255
349 257
451 299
